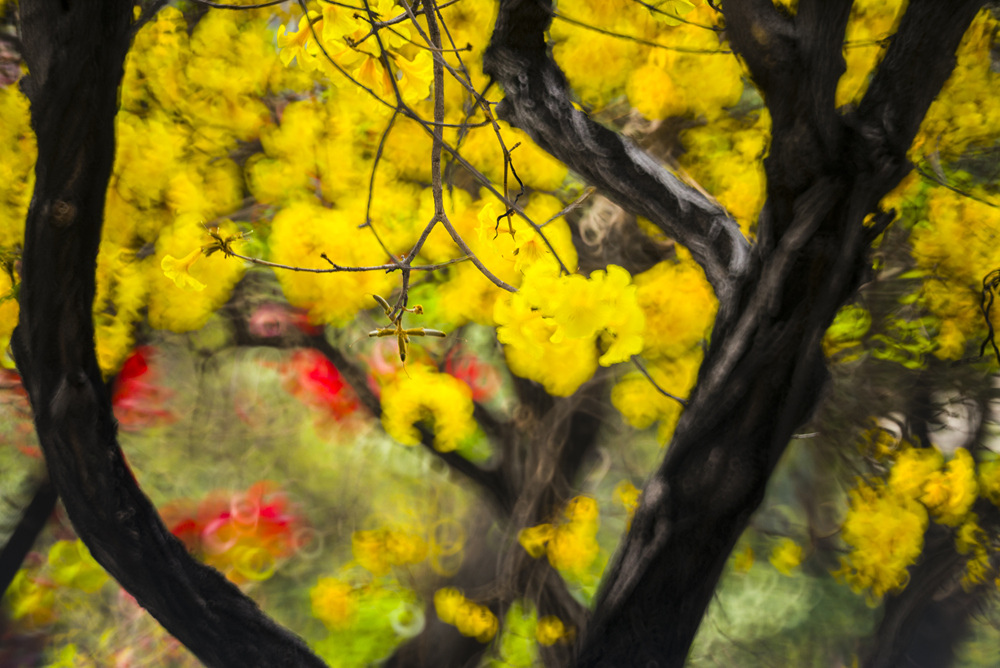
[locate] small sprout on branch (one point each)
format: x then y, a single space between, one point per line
222 244
396 329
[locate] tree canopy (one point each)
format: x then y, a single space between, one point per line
499 333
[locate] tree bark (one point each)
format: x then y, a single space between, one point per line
75 52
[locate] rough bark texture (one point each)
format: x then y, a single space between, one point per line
764 370
75 52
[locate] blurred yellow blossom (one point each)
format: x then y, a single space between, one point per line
571 545
786 556
470 618
438 401
551 630
333 602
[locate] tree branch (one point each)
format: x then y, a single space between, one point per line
538 101
920 58
33 519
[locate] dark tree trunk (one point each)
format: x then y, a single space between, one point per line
764 371
921 625
75 52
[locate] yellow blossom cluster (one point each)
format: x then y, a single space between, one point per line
553 325
17 178
786 556
956 256
868 29
949 493
886 533
8 317
679 307
32 594
338 40
470 618
333 602
551 630
965 114
886 520
724 156
695 58
300 234
628 495
507 246
172 306
972 540
378 550
190 98
571 545
438 401
642 403
17 173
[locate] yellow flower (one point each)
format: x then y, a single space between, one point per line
950 494
970 535
73 566
551 326
369 551
571 545
376 550
786 556
628 495
423 396
470 618
333 602
31 598
743 560
179 270
886 533
476 621
417 75
534 539
989 481
551 630
297 44
446 603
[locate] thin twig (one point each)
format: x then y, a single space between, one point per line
637 361
336 268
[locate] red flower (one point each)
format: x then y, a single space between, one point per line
137 401
315 381
482 378
242 534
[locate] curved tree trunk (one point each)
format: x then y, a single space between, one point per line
75 52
